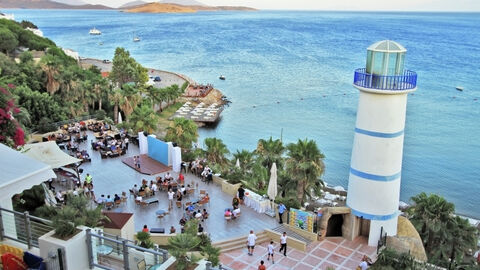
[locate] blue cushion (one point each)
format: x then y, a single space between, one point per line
33 261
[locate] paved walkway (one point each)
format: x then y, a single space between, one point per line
336 253
111 176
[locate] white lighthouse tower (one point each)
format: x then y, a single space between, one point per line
376 164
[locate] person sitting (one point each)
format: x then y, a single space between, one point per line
236 212
168 176
109 200
154 188
182 221
228 213
205 199
200 228
59 197
181 178
172 230
135 190
145 228
198 215
179 195
204 214
190 208
183 190
235 202
116 198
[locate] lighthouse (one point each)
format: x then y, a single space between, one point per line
376 163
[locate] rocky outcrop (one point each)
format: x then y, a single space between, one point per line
407 240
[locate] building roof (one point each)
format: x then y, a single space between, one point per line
19 171
49 153
117 220
387 46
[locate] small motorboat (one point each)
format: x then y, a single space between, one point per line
222 77
136 39
94 31
459 88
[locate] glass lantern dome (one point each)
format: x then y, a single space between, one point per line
386 58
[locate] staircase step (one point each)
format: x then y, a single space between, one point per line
239 242
282 228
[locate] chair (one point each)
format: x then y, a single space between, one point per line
109 205
142 193
179 204
203 192
228 217
118 202
124 195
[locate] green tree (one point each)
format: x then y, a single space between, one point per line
216 151
305 166
115 97
183 243
270 151
8 40
144 118
130 99
429 216
182 131
125 69
245 158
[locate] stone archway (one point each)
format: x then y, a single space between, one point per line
341 228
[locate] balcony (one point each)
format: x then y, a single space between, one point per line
404 82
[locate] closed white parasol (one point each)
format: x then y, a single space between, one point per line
272 184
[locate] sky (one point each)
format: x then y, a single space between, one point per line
381 5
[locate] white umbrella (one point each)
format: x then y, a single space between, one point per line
119 117
272 184
237 164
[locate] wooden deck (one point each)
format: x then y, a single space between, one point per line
148 165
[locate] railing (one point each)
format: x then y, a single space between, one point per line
107 253
22 227
405 81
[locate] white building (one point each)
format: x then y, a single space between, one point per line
7 16
376 163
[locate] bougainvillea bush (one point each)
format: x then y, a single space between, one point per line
11 133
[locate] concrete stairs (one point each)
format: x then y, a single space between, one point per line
239 242
282 228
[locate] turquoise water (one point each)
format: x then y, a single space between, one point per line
297 69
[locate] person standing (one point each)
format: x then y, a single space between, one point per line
270 251
88 179
262 266
283 244
251 242
281 210
241 193
170 199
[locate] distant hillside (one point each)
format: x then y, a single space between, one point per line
176 8
132 4
182 2
45 4
71 2
160 8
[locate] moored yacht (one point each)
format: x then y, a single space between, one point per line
94 31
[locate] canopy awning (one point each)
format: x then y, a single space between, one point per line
49 153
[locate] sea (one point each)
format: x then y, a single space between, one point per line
289 75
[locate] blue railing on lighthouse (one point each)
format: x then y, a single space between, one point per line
405 81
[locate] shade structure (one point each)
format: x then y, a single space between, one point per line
272 184
237 164
49 153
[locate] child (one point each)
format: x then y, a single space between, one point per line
270 251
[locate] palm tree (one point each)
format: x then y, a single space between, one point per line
182 131
305 166
429 216
270 151
246 159
115 97
216 151
130 99
462 237
144 118
51 65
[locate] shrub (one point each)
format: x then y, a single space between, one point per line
100 114
46 125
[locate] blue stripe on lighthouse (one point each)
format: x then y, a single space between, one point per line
379 134
375 177
373 216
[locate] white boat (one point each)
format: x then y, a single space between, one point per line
459 88
95 31
222 77
136 39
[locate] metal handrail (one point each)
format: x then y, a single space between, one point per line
405 81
